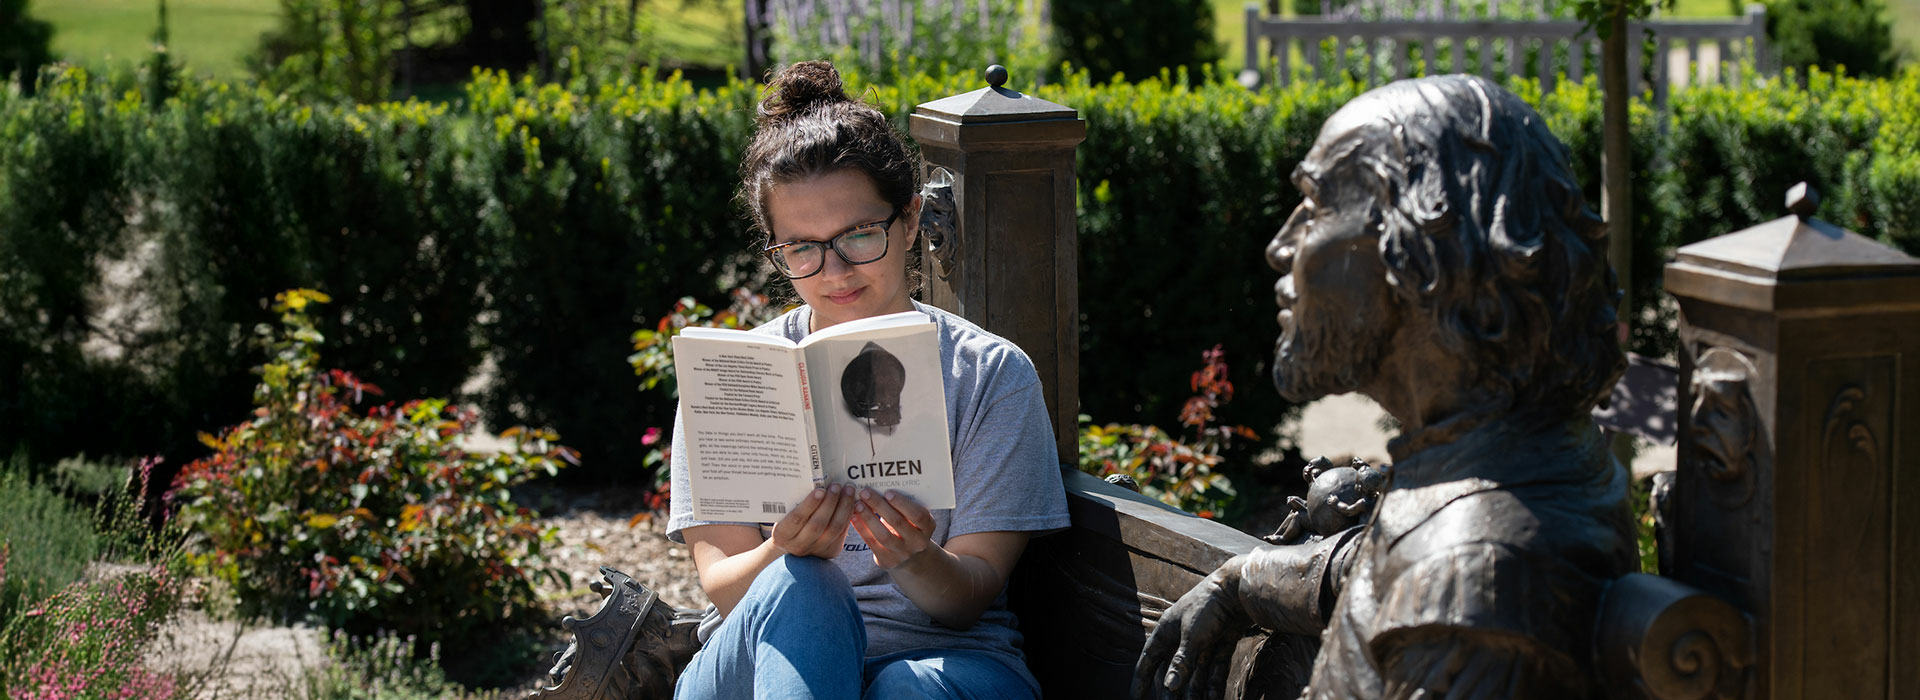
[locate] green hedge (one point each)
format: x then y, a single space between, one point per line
538 225
534 225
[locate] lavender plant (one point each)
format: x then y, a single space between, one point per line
890 37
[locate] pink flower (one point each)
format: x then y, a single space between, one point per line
651 436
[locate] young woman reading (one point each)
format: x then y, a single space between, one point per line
856 593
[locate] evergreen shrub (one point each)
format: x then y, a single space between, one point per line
525 231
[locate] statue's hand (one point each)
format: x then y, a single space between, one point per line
1191 648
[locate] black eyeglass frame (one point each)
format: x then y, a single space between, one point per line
833 244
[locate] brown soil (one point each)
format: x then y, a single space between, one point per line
599 528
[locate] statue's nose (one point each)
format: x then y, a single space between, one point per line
1285 244
1280 253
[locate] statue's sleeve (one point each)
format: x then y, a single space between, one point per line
1477 621
1291 589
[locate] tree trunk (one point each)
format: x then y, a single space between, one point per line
501 33
758 20
1617 197
411 53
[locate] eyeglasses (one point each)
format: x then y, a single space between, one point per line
857 246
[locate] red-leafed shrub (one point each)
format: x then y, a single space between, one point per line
1184 473
380 519
652 361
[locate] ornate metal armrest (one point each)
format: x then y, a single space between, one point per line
632 648
1659 639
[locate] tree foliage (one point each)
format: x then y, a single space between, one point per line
1831 34
24 42
331 48
1135 37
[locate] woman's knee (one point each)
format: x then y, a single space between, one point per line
906 679
948 675
809 581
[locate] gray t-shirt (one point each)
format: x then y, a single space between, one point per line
1006 477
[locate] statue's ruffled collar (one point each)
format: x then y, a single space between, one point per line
1506 449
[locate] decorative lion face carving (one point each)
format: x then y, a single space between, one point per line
1724 423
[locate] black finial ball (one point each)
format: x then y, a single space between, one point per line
997 75
1803 200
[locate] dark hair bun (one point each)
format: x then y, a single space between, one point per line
800 88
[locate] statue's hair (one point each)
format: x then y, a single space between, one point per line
1484 228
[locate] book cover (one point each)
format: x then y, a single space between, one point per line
880 408
766 419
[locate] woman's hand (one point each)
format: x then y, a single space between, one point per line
896 527
953 583
818 526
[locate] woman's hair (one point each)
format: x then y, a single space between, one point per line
808 127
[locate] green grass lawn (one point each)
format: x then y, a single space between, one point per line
1906 25
1230 27
1905 15
699 32
1706 8
211 37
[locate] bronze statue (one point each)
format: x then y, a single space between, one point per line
1443 263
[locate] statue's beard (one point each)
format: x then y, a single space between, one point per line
1314 360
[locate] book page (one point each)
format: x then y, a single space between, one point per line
880 411
744 417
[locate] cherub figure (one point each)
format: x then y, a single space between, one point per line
1337 498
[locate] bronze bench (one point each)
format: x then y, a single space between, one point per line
1088 596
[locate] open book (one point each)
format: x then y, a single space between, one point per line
766 419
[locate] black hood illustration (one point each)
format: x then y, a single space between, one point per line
871 385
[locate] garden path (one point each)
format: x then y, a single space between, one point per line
1351 424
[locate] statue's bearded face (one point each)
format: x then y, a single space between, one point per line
1336 315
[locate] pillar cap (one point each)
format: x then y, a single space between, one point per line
1797 246
994 103
1796 263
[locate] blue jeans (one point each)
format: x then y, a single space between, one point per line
798 634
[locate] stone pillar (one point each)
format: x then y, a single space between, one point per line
1000 236
1797 496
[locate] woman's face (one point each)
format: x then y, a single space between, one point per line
819 208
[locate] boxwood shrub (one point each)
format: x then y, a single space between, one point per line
523 232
